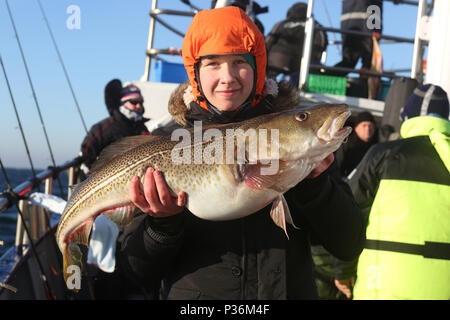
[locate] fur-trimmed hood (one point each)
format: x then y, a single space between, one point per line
277 97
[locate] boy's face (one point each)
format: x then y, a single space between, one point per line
226 80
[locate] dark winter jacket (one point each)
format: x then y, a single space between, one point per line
108 131
350 154
284 43
355 14
247 258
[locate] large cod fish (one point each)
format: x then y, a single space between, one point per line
230 172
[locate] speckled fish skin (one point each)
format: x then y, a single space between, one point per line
214 191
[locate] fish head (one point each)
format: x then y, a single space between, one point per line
310 132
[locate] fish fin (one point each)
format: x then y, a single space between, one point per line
255 180
122 215
72 266
278 212
81 234
281 214
262 176
119 147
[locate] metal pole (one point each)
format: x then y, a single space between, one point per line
307 46
361 33
151 34
222 3
44 222
416 68
19 227
72 176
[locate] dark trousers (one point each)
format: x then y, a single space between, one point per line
353 48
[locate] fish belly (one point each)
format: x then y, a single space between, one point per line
215 194
220 206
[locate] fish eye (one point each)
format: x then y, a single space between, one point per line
301 116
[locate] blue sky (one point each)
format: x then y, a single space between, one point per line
111 43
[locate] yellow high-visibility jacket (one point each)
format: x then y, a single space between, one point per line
404 188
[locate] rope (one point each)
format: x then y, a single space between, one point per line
331 24
63 66
34 94
18 118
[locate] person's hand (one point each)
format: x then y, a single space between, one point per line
321 167
345 286
377 35
155 199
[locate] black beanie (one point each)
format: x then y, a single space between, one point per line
364 116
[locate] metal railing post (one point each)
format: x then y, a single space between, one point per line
222 3
416 68
307 46
21 236
72 180
151 34
44 215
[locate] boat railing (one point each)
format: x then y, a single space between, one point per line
36 218
155 14
419 43
155 17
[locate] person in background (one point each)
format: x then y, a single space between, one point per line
360 140
125 107
403 188
355 17
255 9
335 278
285 41
112 95
126 119
247 258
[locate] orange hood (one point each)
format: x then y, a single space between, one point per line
227 30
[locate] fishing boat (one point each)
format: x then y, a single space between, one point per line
31 268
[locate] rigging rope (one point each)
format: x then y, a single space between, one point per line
331 24
34 95
18 118
63 66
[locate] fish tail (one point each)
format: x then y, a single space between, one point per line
72 266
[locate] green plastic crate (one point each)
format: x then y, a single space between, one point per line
318 83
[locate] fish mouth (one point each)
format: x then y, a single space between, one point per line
333 128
